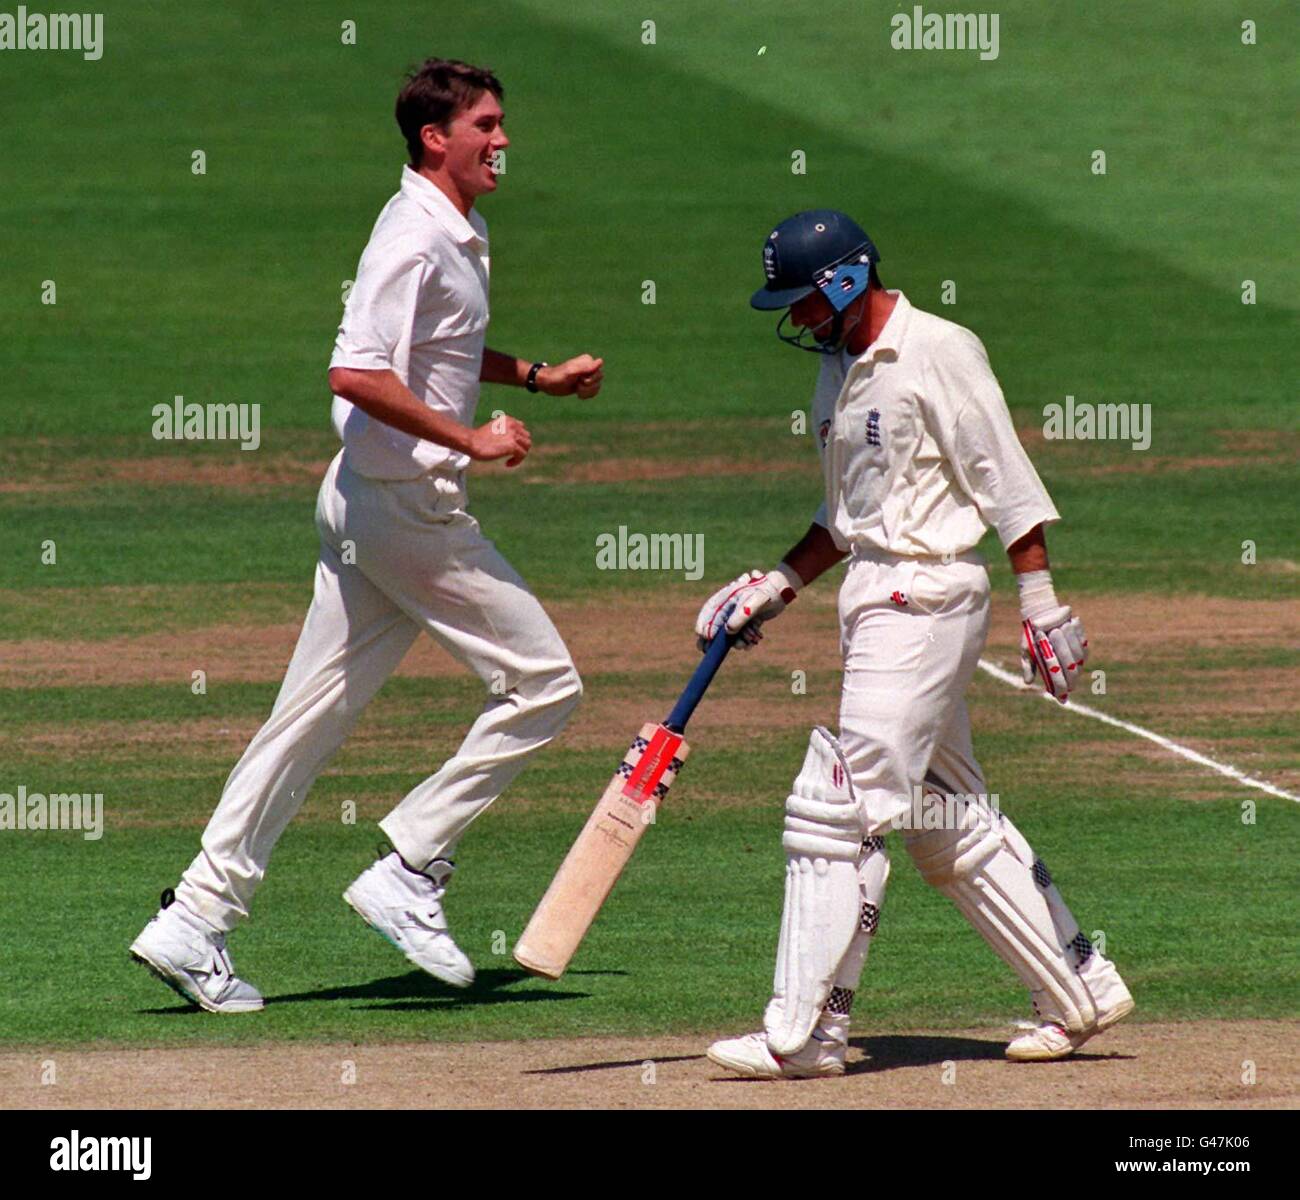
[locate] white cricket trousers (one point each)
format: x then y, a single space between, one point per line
396 557
911 633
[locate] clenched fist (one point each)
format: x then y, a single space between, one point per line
502 437
579 376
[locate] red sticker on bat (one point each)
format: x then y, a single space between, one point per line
654 762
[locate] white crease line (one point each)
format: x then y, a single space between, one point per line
1084 711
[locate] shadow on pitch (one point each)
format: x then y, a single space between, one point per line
884 1053
416 991
887 1052
657 1059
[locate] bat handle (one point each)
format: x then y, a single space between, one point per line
699 683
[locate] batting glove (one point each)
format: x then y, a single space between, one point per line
756 597
1055 646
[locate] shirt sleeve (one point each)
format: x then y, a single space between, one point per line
969 419
375 333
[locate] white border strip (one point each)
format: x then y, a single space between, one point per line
1084 711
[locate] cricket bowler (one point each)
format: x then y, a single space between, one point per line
919 458
399 554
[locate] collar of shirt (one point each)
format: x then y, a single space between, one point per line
434 201
890 337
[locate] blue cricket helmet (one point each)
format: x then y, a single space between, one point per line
820 250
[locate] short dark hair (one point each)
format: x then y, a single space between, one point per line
435 92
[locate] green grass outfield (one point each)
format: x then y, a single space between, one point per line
1193 903
631 162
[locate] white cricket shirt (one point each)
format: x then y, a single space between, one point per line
419 307
918 451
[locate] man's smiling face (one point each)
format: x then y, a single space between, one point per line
474 136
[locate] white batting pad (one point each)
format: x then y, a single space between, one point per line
873 874
822 840
987 869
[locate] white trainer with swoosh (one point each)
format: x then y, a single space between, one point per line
405 906
191 958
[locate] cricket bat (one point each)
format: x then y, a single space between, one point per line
624 812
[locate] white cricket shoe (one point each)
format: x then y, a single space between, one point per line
750 1056
190 957
1050 1040
405 906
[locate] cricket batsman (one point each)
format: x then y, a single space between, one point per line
919 458
400 554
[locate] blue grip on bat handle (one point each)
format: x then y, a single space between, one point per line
704 673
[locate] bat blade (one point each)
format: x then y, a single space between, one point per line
601 851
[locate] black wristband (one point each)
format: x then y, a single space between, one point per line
531 382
